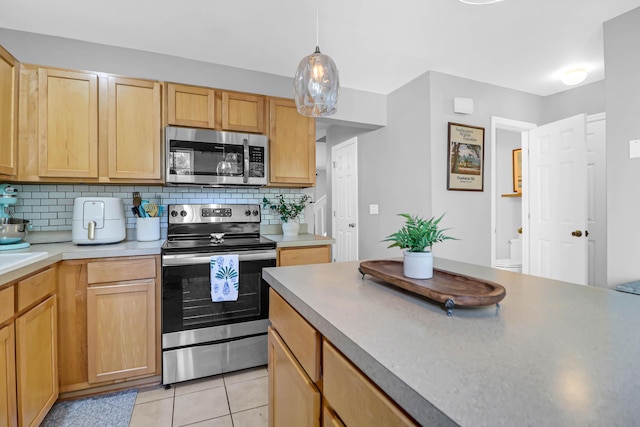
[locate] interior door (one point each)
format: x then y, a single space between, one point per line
558 200
344 185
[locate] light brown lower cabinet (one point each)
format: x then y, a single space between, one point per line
348 397
303 255
294 400
8 407
36 362
121 334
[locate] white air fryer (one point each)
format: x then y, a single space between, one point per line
98 220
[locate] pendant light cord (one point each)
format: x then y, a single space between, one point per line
317 25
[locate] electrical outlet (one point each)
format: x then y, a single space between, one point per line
634 148
373 209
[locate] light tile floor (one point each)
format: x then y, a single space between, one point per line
237 399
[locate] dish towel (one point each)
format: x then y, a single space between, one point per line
225 272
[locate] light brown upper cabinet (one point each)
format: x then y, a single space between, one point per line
190 106
9 71
134 129
243 112
68 124
88 127
292 147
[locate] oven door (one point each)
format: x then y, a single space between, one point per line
189 316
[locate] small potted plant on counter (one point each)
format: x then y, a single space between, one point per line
289 210
417 236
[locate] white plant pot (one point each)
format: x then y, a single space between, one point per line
418 265
290 228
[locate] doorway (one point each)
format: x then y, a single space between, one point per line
344 200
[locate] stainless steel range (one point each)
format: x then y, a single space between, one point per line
201 337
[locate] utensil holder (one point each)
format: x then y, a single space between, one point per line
147 229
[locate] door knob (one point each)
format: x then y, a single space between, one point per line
577 233
352 225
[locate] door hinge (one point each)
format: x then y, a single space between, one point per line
334 213
333 164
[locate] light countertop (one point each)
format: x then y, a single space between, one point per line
553 354
63 251
303 239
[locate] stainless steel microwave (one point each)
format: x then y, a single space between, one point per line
214 158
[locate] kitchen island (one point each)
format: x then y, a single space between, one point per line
552 354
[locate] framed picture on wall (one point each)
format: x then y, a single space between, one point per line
517 170
465 171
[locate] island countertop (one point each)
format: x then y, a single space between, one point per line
553 353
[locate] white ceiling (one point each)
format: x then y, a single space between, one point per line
378 45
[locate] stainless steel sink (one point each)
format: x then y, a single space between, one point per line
12 261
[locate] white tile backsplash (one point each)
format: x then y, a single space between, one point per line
50 207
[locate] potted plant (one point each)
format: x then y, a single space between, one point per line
417 236
289 210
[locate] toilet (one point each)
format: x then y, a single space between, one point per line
514 262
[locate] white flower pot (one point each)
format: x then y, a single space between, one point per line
290 228
418 265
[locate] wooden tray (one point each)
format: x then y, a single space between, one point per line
447 288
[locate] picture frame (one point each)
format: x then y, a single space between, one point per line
517 170
465 162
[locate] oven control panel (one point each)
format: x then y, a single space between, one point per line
192 214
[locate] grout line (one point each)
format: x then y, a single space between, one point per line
228 405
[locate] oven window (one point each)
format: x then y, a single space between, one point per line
186 297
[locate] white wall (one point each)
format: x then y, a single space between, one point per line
621 41
587 99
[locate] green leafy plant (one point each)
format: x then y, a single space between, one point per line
418 234
288 210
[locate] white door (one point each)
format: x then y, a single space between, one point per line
344 200
558 200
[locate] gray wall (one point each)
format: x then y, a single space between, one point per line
587 99
355 106
469 213
621 40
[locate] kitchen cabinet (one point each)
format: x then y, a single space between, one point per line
243 112
190 106
294 367
303 255
36 362
9 73
109 312
303 360
67 124
8 407
77 126
292 146
134 127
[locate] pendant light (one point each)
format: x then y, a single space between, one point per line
316 83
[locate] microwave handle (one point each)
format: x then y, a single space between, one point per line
245 179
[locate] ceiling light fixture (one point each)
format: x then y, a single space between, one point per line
316 83
480 1
574 76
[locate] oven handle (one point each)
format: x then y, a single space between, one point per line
192 259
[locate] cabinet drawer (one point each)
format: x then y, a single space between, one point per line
356 400
304 255
36 287
301 338
6 304
121 270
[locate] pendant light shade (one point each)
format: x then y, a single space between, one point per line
316 85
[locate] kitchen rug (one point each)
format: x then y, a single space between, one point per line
107 410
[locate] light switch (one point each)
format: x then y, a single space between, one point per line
373 209
634 148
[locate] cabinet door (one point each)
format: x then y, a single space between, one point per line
8 414
121 330
243 112
191 106
68 124
301 256
9 70
134 129
292 147
36 362
293 398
